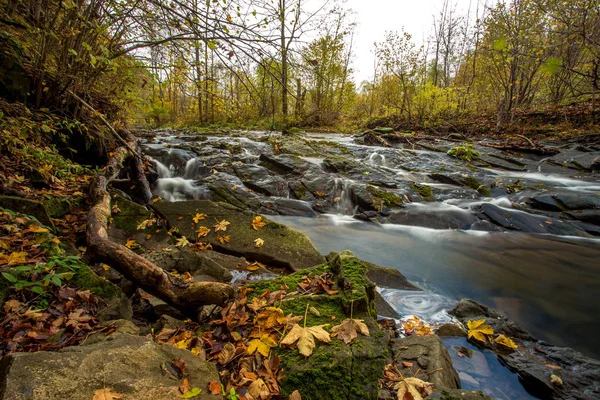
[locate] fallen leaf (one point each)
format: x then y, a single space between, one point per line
193 392
259 390
306 338
146 224
227 353
407 364
215 387
224 239
17 257
221 226
37 229
270 318
106 394
199 217
506 341
556 380
182 242
349 328
263 345
202 231
257 223
552 366
130 244
184 386
259 242
413 389
295 395
478 330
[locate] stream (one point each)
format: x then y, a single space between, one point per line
515 231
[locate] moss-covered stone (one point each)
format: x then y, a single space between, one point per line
469 181
28 207
336 370
283 246
388 198
423 190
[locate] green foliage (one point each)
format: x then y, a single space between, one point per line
464 152
37 278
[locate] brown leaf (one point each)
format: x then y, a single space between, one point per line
106 394
221 226
259 390
349 328
227 353
215 387
295 395
306 338
184 386
407 364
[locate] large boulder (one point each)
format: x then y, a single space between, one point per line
283 246
199 265
336 370
127 364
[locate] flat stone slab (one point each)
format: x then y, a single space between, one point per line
283 246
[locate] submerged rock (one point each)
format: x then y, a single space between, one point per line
283 246
127 364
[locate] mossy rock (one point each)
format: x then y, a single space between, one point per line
423 190
388 198
283 246
383 129
28 207
336 370
58 208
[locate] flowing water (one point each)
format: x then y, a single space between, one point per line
547 281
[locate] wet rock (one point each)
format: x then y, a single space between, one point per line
167 322
115 327
545 202
297 208
388 277
458 394
285 164
119 307
29 207
261 180
578 201
576 159
128 364
428 354
283 246
435 218
588 216
184 260
383 308
450 330
524 222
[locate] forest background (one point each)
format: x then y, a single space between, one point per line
499 66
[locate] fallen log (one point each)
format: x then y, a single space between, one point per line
153 279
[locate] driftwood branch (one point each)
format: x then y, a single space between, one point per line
153 279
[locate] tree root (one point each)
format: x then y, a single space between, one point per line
153 279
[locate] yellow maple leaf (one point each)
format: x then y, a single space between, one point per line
270 318
506 341
263 345
199 217
224 239
130 244
146 224
413 388
257 223
478 330
106 394
349 328
259 242
221 226
306 337
182 242
202 231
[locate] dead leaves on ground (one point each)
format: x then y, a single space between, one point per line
106 394
405 388
305 338
481 332
258 223
221 226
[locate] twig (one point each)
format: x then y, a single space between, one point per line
119 138
526 138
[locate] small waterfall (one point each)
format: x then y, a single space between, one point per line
344 202
377 159
163 170
191 168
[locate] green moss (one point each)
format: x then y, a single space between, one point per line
388 198
473 183
291 281
86 278
423 190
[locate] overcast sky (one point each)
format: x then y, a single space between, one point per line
374 17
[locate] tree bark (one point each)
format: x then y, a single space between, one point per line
153 279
